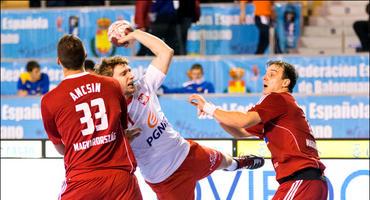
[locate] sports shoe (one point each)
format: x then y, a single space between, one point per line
249 162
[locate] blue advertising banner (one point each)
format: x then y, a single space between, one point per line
219 31
21 118
34 33
317 74
329 116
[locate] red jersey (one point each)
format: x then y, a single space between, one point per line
287 133
87 113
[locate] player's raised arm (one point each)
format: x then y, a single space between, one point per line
163 53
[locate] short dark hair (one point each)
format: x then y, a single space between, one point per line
32 65
197 66
71 52
107 65
89 64
289 72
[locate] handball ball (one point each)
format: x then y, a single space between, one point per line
119 29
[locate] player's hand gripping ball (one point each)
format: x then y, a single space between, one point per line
117 30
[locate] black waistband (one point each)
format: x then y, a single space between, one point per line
304 174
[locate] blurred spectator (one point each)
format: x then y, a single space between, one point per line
33 82
188 13
159 19
196 84
89 66
168 20
35 3
264 14
362 31
290 16
287 31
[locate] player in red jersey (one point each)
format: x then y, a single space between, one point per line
282 124
84 117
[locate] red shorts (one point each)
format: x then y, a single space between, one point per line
200 162
302 189
102 184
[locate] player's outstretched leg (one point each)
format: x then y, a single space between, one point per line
230 163
248 162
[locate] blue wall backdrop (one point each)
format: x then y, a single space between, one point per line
35 32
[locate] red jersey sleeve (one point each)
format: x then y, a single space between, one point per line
49 124
270 107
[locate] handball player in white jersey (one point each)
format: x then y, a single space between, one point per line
170 164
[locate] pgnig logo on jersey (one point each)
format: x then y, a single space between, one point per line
158 130
152 120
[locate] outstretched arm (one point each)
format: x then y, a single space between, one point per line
163 53
236 132
233 119
237 119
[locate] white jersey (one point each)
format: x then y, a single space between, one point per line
159 149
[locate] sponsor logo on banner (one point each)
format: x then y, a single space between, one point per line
100 44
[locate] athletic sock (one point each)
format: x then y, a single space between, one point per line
233 166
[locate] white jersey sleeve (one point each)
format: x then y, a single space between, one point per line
153 78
